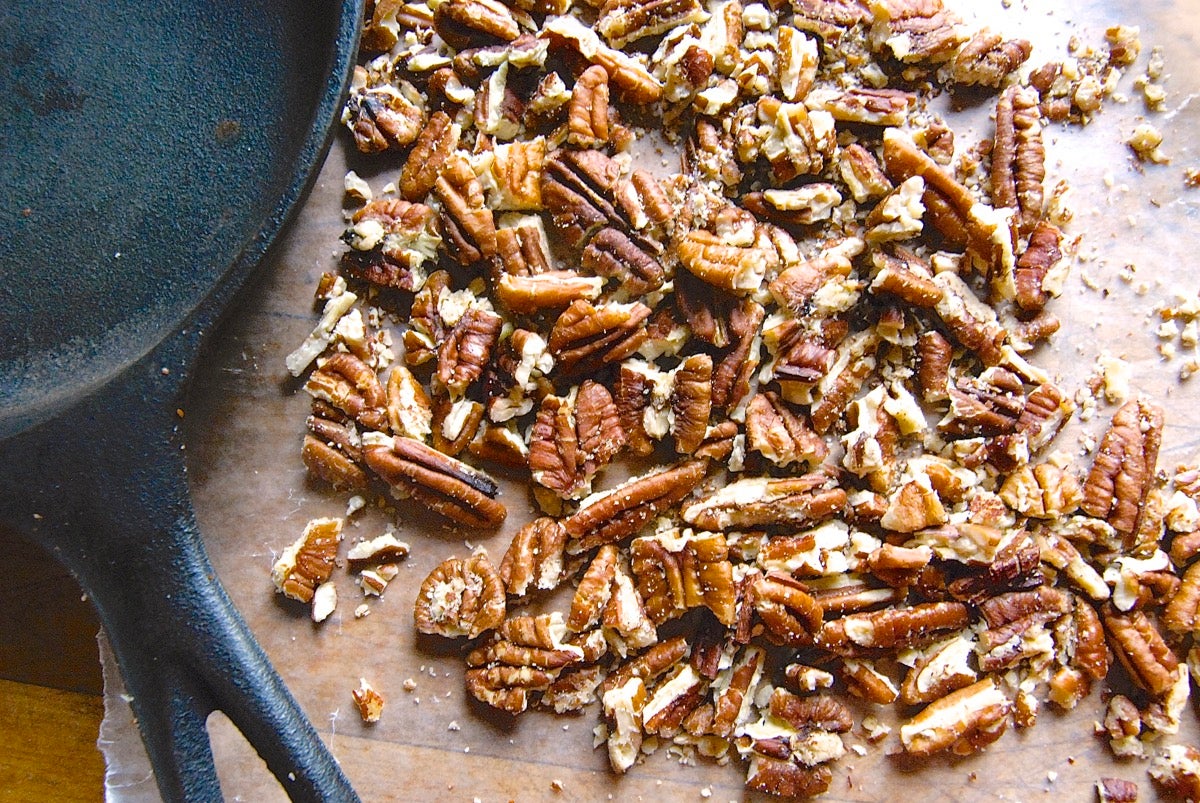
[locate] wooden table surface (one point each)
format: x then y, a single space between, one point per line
50 681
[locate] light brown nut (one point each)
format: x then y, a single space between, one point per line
1176 770
817 712
709 155
801 206
785 779
467 223
1047 409
474 23
691 402
577 188
447 486
573 438
426 329
829 19
890 627
335 466
625 622
864 679
731 375
987 59
554 289
934 355
616 514
612 254
971 322
587 116
915 31
860 171
438 140
308 562
460 598
523 249
1060 553
586 337
1018 157
625 21
507 688
988 405
1123 472
626 74
467 349
574 689
906 276
368 701
1015 566
782 435
1122 724
539 641
865 105
456 423
789 613
1116 790
798 142
963 721
391 241
736 265
389 20
1089 650
652 663
672 701
679 570
1142 650
594 590
623 706
514 175
349 384
852 361
1044 491
913 506
942 668
762 501
385 117
1180 616
409 409
534 558
1035 264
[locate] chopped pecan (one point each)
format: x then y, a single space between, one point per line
613 254
625 620
308 562
384 117
942 668
863 679
391 241
865 105
1176 770
455 424
676 571
335 466
790 614
708 154
1035 264
594 590
554 289
1143 652
736 264
574 689
987 59
916 31
368 701
1123 472
577 187
438 140
852 362
1064 556
763 502
829 19
626 74
674 698
964 721
1018 157
1047 409
861 172
623 706
534 559
507 688
625 21
798 142
691 402
934 355
467 349
587 337
573 438
524 250
587 116
445 485
616 514
889 627
467 223
460 598
474 23
801 206
1180 616
913 506
541 641
731 375
649 665
898 215
426 329
781 435
514 175
1044 491
1116 790
1014 567
988 405
409 409
350 385
906 276
784 778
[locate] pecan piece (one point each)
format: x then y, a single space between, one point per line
308 562
1176 770
889 627
474 23
1123 472
616 514
384 117
691 402
445 485
969 320
964 721
786 779
798 142
507 688
988 405
934 355
433 148
1018 157
1034 266
861 172
906 276
587 116
467 349
460 598
573 438
349 384
1116 790
467 223
735 264
790 614
987 59
328 462
391 241
594 591
782 436
1044 491
577 186
731 375
426 329
939 670
763 502
534 558
865 105
611 253
625 21
829 19
915 31
586 337
1142 650
676 571
626 74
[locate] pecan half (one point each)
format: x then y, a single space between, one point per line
1044 491
887 628
987 59
732 373
474 23
573 438
534 558
1034 266
616 514
963 721
790 614
865 105
507 688
460 598
349 384
676 571
763 502
586 337
611 253
445 485
335 466
1142 650
735 265
1123 472
577 186
308 562
781 435
467 223
691 402
587 116
594 591
433 148
1018 157
467 349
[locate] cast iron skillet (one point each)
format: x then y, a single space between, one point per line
149 155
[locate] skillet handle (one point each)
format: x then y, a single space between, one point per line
113 506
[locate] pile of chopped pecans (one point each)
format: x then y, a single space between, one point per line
810 347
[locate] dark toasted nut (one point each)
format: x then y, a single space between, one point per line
616 514
349 384
438 140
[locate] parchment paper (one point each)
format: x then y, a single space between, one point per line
245 422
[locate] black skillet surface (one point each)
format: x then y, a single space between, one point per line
149 155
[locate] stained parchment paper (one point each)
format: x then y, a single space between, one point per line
245 422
